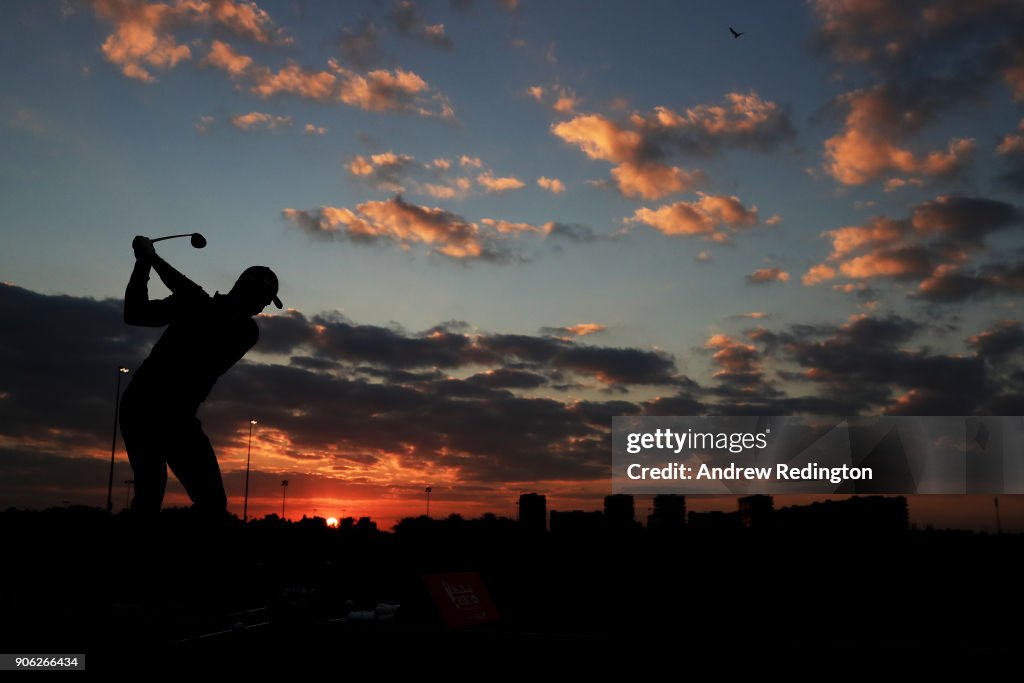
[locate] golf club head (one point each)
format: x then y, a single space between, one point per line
198 241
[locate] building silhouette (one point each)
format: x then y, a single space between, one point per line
576 523
533 512
668 515
619 513
859 514
756 512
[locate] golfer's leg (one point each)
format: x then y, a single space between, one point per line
195 466
145 447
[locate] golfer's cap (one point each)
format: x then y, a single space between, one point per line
266 279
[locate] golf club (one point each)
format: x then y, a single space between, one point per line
197 240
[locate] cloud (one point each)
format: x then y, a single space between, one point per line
377 90
552 185
715 218
636 173
949 283
818 274
360 47
931 246
1011 149
368 425
866 365
924 58
737 362
256 120
765 276
398 222
294 80
310 129
1002 339
204 123
144 39
743 120
406 19
638 149
438 178
223 56
407 225
578 330
869 148
382 405
492 184
560 99
653 181
383 171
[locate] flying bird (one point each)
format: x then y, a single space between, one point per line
734 33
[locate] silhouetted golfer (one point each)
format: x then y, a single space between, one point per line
205 336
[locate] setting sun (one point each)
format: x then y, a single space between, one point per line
332 522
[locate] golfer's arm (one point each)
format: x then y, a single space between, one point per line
174 281
138 309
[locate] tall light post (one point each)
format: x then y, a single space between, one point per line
428 490
284 493
248 457
113 445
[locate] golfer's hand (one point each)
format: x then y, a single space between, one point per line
144 249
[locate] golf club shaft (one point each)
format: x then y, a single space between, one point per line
170 237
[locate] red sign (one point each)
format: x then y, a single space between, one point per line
461 598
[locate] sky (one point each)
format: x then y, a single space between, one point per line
497 224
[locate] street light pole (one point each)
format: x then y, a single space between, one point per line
113 445
428 490
284 493
248 457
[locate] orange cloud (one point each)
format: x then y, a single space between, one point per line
255 119
384 170
143 37
381 90
294 80
867 149
398 222
714 217
818 274
652 180
896 263
243 18
492 184
879 232
584 329
1014 75
552 185
741 113
1011 143
738 362
600 138
766 275
310 129
566 102
223 56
